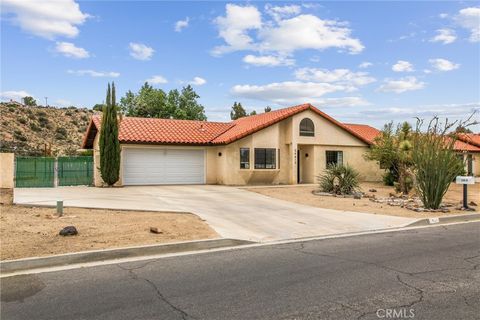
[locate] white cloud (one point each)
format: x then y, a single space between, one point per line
307 32
469 18
68 49
268 61
197 81
340 76
286 93
14 95
234 26
402 66
140 51
401 85
342 102
443 64
365 65
445 36
95 74
242 28
156 80
281 12
46 18
443 15
181 24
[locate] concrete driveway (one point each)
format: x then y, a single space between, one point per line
232 212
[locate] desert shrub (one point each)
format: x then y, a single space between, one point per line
43 121
11 109
18 135
389 178
68 113
339 179
31 116
84 118
41 114
74 122
34 127
59 136
436 162
22 120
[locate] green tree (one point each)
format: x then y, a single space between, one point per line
268 109
29 101
393 151
253 113
237 111
98 107
109 144
155 103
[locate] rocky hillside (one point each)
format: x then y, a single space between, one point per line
42 130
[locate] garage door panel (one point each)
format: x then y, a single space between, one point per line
163 166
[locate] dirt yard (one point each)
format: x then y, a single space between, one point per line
28 232
303 195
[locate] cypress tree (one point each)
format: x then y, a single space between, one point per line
109 144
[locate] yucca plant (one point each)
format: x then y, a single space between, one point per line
339 179
436 163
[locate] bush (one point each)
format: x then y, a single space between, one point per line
59 136
68 113
22 120
339 179
31 116
34 127
435 161
74 122
61 131
43 121
389 178
41 114
18 135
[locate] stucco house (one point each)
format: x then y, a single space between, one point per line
286 146
468 144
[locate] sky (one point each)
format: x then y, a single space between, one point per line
360 62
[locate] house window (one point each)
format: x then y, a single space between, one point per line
307 128
244 158
265 158
334 157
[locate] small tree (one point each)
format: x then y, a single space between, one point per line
436 163
237 111
393 151
109 144
268 109
29 101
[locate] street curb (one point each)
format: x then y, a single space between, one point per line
10 266
443 220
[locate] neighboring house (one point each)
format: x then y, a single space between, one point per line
469 145
286 146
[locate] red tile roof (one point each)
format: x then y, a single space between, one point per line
467 147
169 131
471 138
369 133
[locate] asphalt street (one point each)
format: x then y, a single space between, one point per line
431 273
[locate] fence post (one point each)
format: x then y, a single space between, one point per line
55 173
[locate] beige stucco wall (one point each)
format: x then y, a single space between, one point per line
7 167
475 163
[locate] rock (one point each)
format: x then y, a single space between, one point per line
372 190
69 231
471 203
357 195
155 230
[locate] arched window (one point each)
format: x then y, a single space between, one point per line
307 128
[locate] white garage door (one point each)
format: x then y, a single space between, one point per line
163 166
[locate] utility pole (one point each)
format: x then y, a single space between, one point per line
46 101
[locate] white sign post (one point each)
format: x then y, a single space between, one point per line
465 180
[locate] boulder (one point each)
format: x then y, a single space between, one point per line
69 231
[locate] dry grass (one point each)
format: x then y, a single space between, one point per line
303 195
27 232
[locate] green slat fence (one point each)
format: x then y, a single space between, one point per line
75 171
34 172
